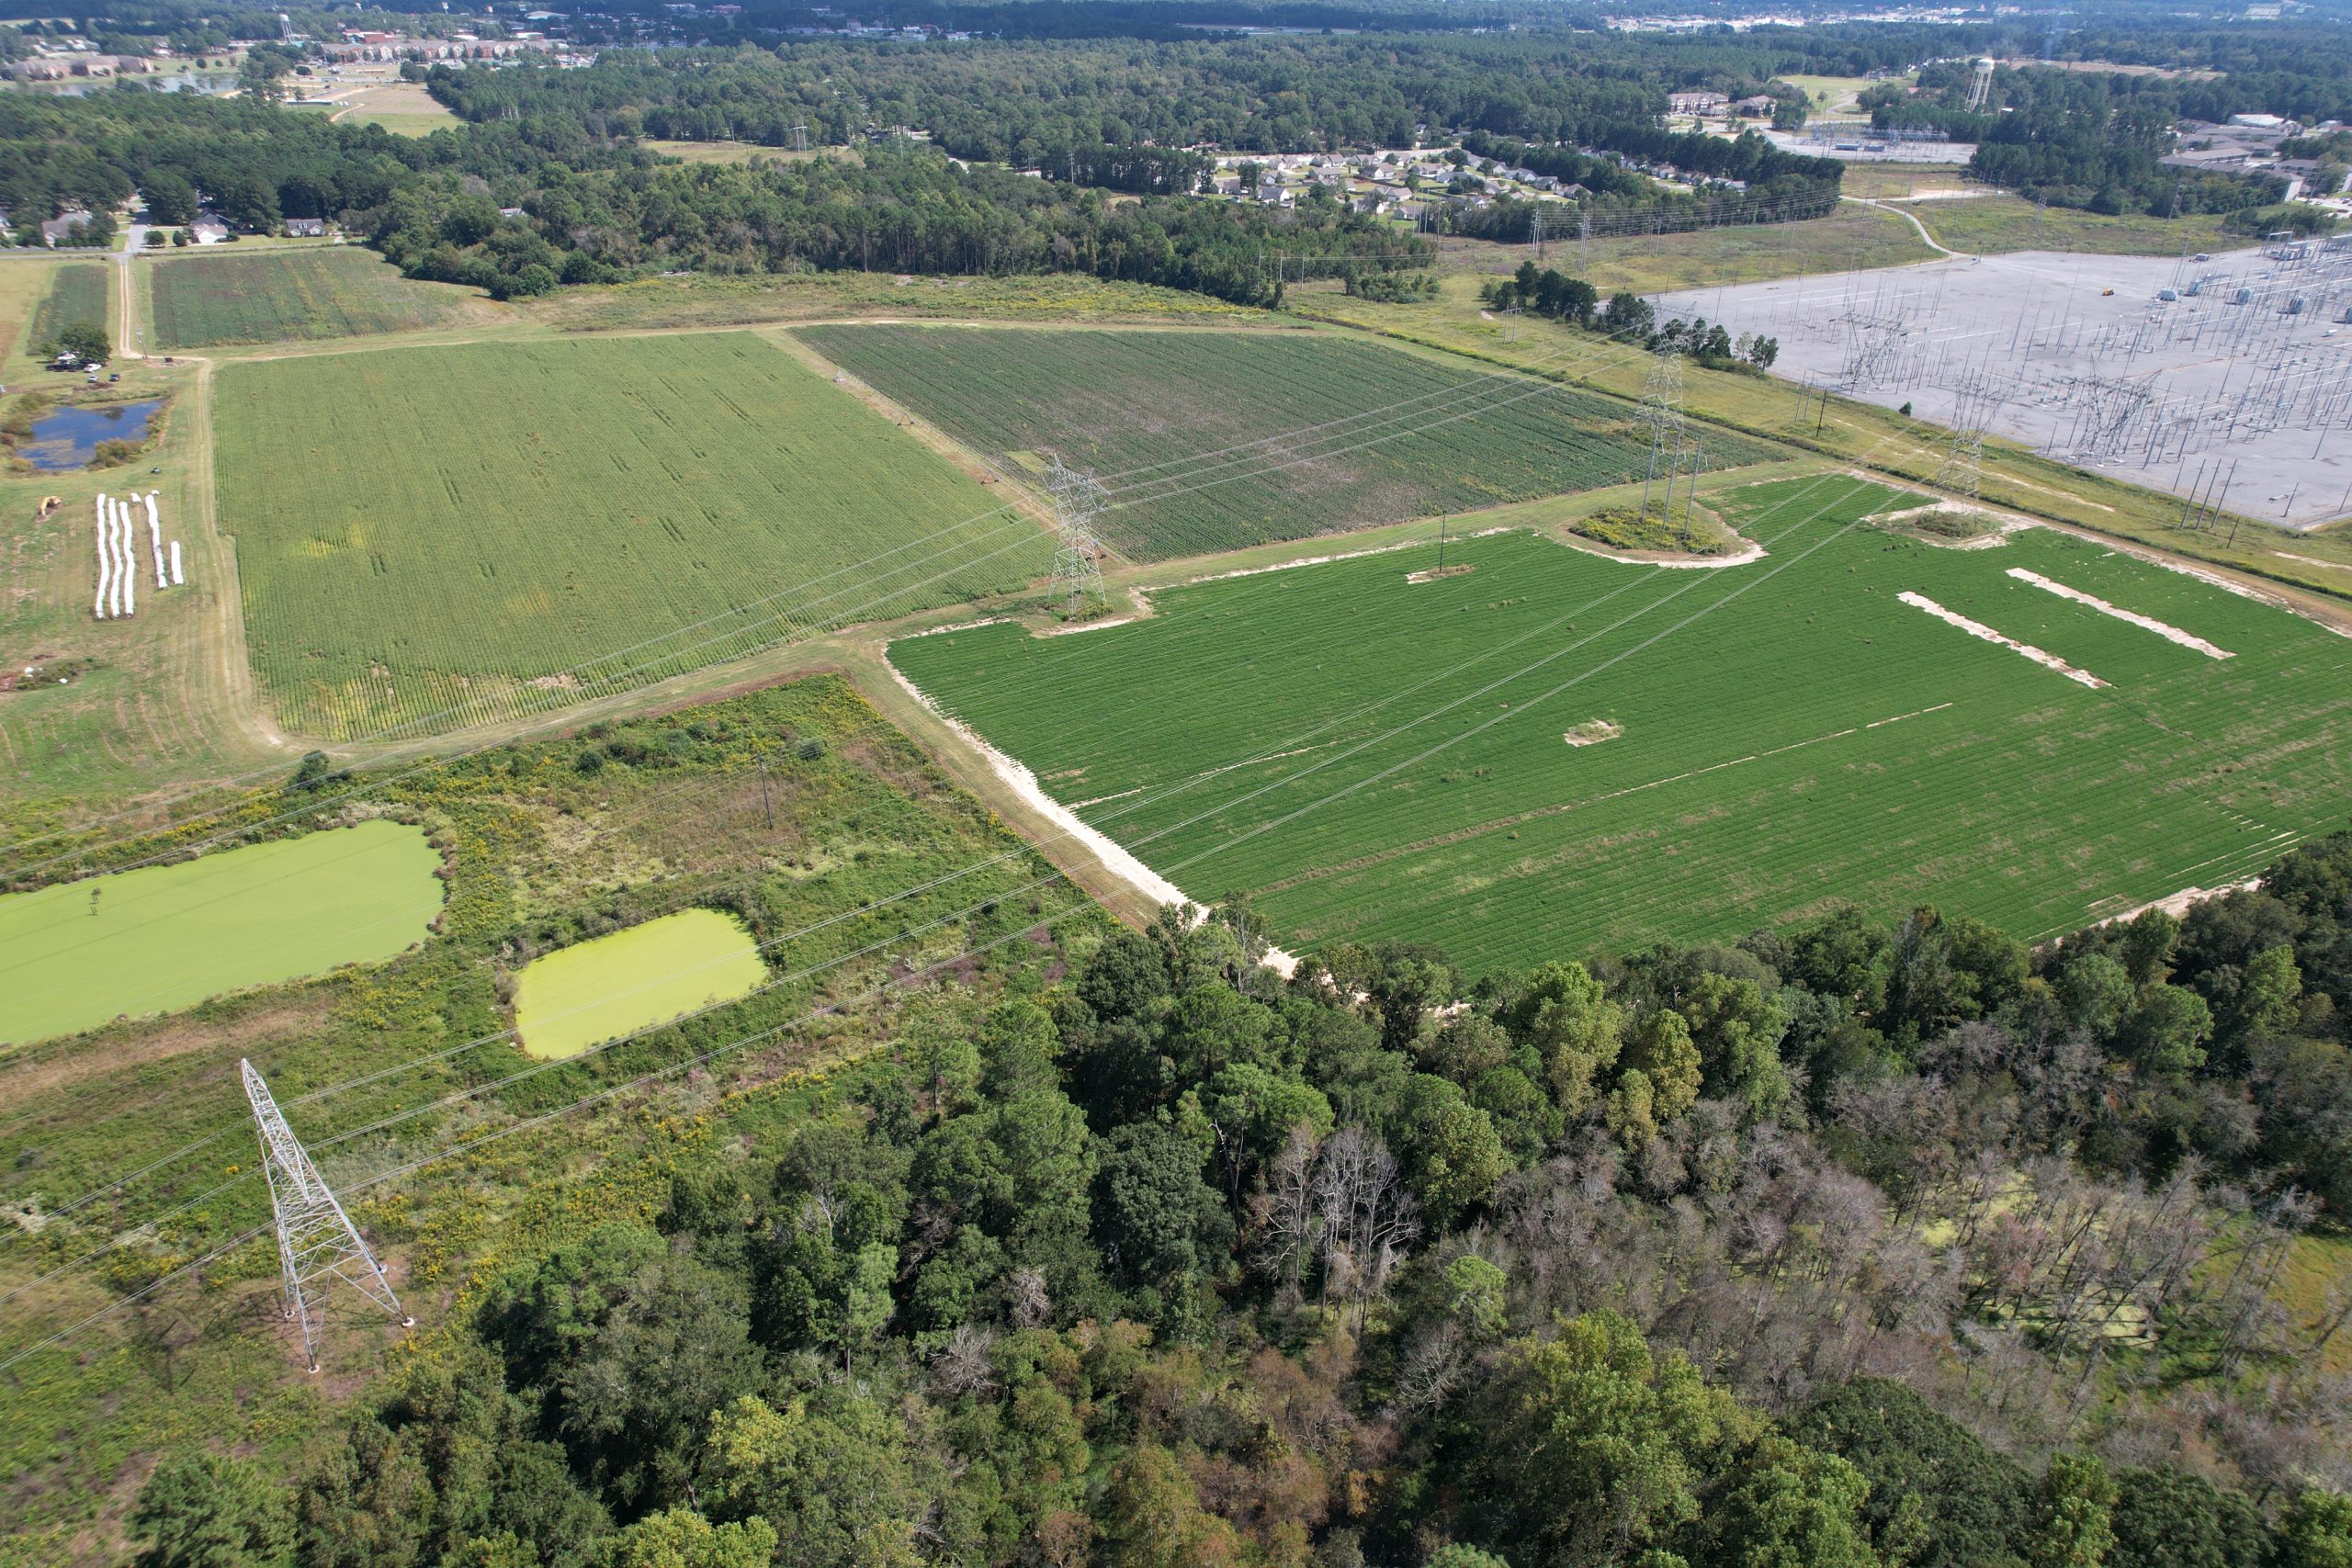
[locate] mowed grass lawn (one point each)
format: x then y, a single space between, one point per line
430 537
614 986
135 943
79 292
1366 758
1212 441
208 301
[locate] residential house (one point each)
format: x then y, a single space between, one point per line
56 231
1696 102
306 228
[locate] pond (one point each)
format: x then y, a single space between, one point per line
166 937
68 437
602 989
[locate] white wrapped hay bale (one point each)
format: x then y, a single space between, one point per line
106 562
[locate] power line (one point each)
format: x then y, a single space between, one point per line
1179 865
1533 389
410 1066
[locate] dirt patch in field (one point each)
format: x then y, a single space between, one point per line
1983 633
1593 731
22 1077
1948 526
2146 623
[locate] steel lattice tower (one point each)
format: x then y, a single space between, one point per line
316 1240
1662 411
1078 567
1961 472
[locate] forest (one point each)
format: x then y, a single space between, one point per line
2095 140
1852 1244
595 209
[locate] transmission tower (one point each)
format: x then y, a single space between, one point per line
1535 230
800 139
316 1240
1662 411
1078 567
1961 472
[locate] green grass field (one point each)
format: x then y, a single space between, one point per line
80 293
208 301
1999 223
404 109
151 941
430 537
616 985
1366 757
1188 432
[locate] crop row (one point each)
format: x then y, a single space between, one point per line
205 301
78 293
1429 793
1334 434
435 538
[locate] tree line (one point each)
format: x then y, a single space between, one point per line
1851 1245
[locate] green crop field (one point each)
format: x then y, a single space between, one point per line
1366 757
274 297
611 985
1211 441
144 942
78 294
428 537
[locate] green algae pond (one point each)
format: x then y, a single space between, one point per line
611 985
134 942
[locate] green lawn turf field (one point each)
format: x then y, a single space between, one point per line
135 943
80 293
1188 430
1792 734
434 536
1850 236
2001 221
404 109
611 985
206 301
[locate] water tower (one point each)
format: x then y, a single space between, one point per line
1980 86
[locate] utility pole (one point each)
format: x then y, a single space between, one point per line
1078 567
766 810
1440 571
316 1240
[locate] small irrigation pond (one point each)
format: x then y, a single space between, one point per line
68 436
611 986
161 938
